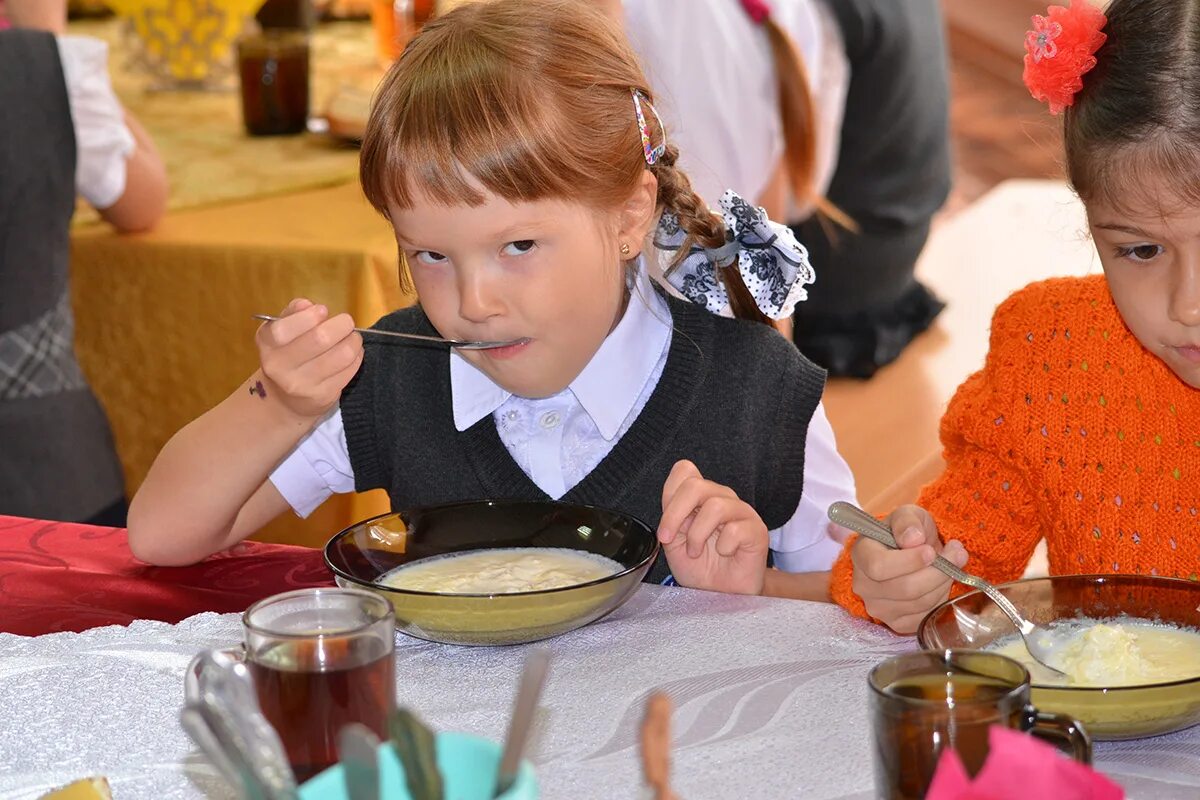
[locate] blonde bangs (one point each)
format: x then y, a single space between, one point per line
510 96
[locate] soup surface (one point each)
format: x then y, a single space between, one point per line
1118 652
502 571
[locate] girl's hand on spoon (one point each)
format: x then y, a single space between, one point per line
899 587
307 358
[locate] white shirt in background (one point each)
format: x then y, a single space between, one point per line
710 67
103 142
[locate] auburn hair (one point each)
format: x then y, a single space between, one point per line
530 99
797 117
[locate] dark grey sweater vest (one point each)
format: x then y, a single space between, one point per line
734 397
57 459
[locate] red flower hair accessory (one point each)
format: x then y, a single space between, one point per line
1060 50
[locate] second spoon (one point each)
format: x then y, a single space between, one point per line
854 518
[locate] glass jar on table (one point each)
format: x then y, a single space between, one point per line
397 21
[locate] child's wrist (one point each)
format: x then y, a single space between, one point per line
276 403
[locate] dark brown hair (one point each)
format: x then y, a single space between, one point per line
532 99
1138 114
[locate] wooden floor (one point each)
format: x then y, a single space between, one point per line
998 130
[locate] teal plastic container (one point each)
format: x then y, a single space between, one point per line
467 763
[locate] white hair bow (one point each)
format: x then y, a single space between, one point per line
773 265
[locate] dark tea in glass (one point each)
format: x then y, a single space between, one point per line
274 78
310 690
321 659
923 702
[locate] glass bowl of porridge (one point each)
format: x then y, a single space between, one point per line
496 572
1129 645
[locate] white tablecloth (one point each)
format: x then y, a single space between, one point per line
770 702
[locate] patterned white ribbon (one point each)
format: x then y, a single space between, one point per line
773 265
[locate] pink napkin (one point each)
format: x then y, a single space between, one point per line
1020 767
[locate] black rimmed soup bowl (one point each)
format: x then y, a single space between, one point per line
361 555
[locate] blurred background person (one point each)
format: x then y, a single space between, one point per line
62 133
892 175
833 115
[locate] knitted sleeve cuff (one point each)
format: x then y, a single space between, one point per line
842 580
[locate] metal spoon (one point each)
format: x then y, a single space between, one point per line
358 750
195 721
220 686
416 746
854 518
533 678
457 343
218 671
210 729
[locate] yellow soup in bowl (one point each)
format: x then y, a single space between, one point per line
1110 702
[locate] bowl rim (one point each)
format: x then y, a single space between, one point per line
531 593
1093 577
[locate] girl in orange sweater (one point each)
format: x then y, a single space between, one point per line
1083 427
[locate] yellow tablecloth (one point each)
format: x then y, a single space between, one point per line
209 157
164 327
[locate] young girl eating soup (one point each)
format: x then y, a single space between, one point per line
515 150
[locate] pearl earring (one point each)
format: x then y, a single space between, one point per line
625 250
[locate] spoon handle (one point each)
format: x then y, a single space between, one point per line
195 723
854 518
999 598
533 677
851 516
416 746
358 750
419 337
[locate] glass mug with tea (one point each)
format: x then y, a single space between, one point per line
923 702
320 659
273 68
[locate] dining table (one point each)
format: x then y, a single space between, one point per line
770 695
60 576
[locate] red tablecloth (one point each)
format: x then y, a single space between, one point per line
57 576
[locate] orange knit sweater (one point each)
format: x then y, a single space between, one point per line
1073 432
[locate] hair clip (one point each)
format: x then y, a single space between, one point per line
653 154
1060 50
